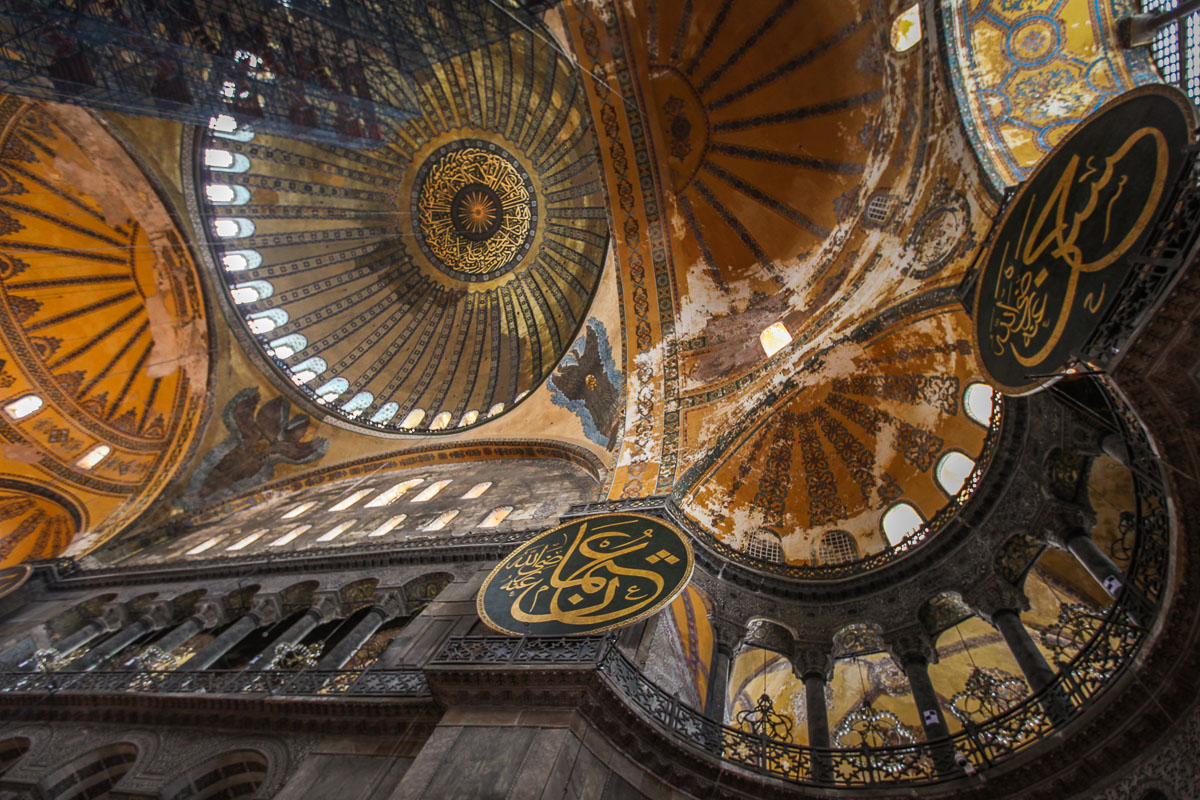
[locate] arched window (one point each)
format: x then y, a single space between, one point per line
336 531
440 422
977 402
477 490
251 292
350 500
774 338
389 525
288 537
468 418
241 260
441 521
497 516
413 419
227 127
835 547
266 321
430 491
879 209
952 471
901 520
393 493
385 413
246 541
90 776
226 194
298 510
233 775
207 544
23 406
308 369
765 545
906 29
225 161
520 397
331 390
357 404
233 227
494 410
94 456
287 346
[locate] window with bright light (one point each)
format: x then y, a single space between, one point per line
94 456
468 418
23 406
331 390
206 545
900 521
494 410
440 422
430 491
774 338
1175 50
356 405
497 516
246 541
906 29
290 536
251 292
336 531
442 520
308 369
393 493
233 227
266 321
952 471
225 161
346 502
413 419
298 510
287 346
241 260
226 194
477 490
387 527
385 413
977 402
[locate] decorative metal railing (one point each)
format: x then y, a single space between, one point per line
806 572
402 682
494 650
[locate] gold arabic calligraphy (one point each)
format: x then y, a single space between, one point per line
586 584
1021 293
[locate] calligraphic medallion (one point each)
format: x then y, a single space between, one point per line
1062 250
476 209
590 575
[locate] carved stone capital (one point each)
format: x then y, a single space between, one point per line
995 594
727 634
809 658
212 613
391 602
113 616
329 605
1064 520
160 614
910 642
268 608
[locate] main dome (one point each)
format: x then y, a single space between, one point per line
431 283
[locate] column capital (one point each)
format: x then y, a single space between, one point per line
727 634
810 658
211 613
328 605
160 614
995 594
267 607
1063 520
910 643
113 616
391 602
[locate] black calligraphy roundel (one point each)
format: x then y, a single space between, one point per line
1062 250
590 575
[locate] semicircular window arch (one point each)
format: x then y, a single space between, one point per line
900 521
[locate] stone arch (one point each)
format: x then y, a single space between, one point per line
421 590
358 594
92 774
858 638
72 619
1016 556
943 611
298 596
237 773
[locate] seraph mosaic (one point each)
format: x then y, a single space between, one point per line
259 438
588 383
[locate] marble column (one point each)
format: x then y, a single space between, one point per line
718 684
175 638
1081 545
342 652
113 644
1037 670
818 725
79 638
308 621
916 667
221 645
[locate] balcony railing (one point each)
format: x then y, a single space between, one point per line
405 682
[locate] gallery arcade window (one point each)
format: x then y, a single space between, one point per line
977 402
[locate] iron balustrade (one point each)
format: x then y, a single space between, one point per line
402 682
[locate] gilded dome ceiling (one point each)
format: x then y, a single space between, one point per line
103 337
431 283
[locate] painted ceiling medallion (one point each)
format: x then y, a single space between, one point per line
476 209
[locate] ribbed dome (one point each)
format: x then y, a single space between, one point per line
429 284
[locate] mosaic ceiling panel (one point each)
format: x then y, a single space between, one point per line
103 338
1025 72
429 284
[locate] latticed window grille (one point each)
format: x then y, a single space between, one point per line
836 547
1175 48
765 545
879 208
